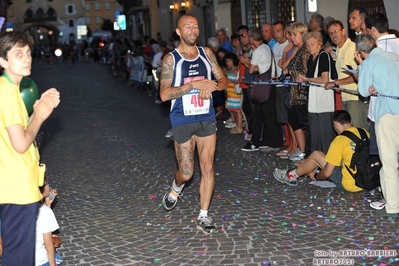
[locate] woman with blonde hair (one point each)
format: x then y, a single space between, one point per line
321 105
297 104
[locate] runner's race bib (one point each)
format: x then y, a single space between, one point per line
192 103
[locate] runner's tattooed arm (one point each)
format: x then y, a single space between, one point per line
216 70
167 92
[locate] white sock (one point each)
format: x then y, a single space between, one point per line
176 188
203 213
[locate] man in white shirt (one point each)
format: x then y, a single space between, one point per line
267 132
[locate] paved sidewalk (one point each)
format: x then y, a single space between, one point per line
107 155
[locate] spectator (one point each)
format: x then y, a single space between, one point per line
345 51
332 164
329 45
357 16
245 79
46 224
218 96
267 34
233 102
156 72
279 34
316 23
298 103
235 41
267 133
321 69
223 40
19 156
379 73
378 26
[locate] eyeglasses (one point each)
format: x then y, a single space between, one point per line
243 35
334 32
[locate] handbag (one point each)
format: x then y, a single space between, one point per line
237 88
260 92
319 99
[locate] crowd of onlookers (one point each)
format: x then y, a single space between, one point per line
319 91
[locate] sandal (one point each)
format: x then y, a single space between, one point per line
282 153
235 130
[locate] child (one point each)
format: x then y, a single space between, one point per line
234 100
19 158
46 224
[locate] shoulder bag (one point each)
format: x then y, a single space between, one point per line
260 92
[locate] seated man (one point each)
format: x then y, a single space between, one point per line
331 164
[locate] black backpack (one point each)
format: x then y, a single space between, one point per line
367 166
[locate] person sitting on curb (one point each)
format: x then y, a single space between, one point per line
45 226
331 164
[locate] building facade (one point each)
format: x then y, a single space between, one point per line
229 14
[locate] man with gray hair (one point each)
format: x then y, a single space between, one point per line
221 35
379 74
316 23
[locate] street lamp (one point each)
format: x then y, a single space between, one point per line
172 7
184 4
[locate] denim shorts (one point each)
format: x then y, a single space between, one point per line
336 178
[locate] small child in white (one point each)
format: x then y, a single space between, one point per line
46 224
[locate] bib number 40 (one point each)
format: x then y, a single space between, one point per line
196 101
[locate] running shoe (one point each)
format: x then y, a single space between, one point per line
282 176
206 224
169 200
378 205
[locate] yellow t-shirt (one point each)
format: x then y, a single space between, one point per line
19 173
346 56
340 154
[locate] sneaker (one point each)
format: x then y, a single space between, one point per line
169 134
250 147
169 200
228 121
268 149
282 176
206 224
378 205
231 125
297 156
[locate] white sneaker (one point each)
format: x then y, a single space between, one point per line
231 125
297 156
228 121
206 225
378 205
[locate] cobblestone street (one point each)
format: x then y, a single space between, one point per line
106 153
